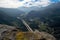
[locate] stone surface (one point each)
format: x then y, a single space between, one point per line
12 33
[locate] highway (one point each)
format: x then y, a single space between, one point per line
27 26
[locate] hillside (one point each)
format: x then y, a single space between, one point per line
4 18
11 19
12 33
12 11
50 15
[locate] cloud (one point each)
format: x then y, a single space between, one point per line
39 3
10 3
17 3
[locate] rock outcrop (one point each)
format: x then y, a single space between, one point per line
12 33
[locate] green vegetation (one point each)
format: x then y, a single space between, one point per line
41 26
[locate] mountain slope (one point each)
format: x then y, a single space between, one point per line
50 15
5 19
12 12
11 19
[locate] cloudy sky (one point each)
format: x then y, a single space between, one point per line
25 3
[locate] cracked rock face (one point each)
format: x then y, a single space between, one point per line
6 28
7 32
11 33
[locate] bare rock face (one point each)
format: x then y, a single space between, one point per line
6 28
34 36
45 36
12 33
7 32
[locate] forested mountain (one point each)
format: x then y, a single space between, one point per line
4 18
12 11
49 15
9 17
